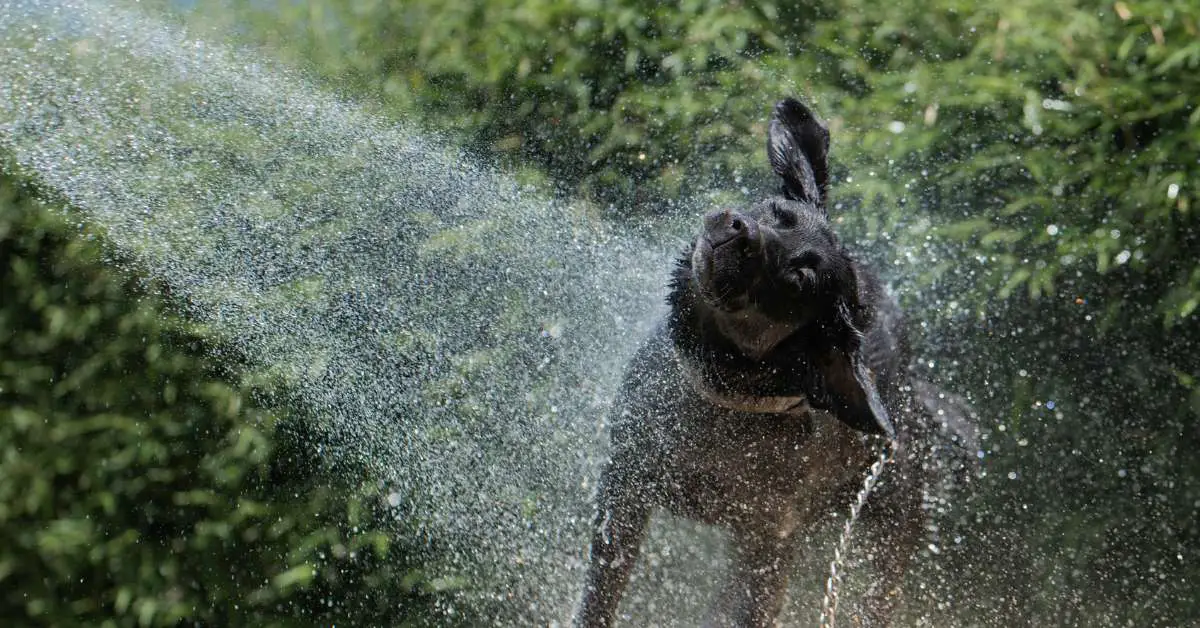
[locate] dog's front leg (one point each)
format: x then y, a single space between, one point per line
754 592
893 525
620 524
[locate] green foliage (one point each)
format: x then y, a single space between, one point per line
1055 139
625 98
143 485
999 119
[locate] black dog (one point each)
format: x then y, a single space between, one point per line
753 405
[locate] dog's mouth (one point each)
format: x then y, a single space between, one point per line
727 258
724 271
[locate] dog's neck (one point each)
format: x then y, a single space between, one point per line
796 405
754 334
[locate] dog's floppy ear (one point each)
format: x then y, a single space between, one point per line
798 148
851 388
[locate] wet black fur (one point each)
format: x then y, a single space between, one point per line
767 304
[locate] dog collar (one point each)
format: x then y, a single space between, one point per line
792 405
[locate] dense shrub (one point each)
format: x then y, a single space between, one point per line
141 484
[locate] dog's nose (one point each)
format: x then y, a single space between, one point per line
724 225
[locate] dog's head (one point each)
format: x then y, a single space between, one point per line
780 255
774 272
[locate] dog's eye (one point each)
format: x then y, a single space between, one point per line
785 218
808 259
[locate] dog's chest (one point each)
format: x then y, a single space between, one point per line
768 470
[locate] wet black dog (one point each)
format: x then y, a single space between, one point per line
759 404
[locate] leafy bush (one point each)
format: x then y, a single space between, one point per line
142 484
999 119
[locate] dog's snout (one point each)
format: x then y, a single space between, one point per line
724 225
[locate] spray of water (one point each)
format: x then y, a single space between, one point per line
829 605
458 335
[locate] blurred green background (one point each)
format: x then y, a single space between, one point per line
1029 171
